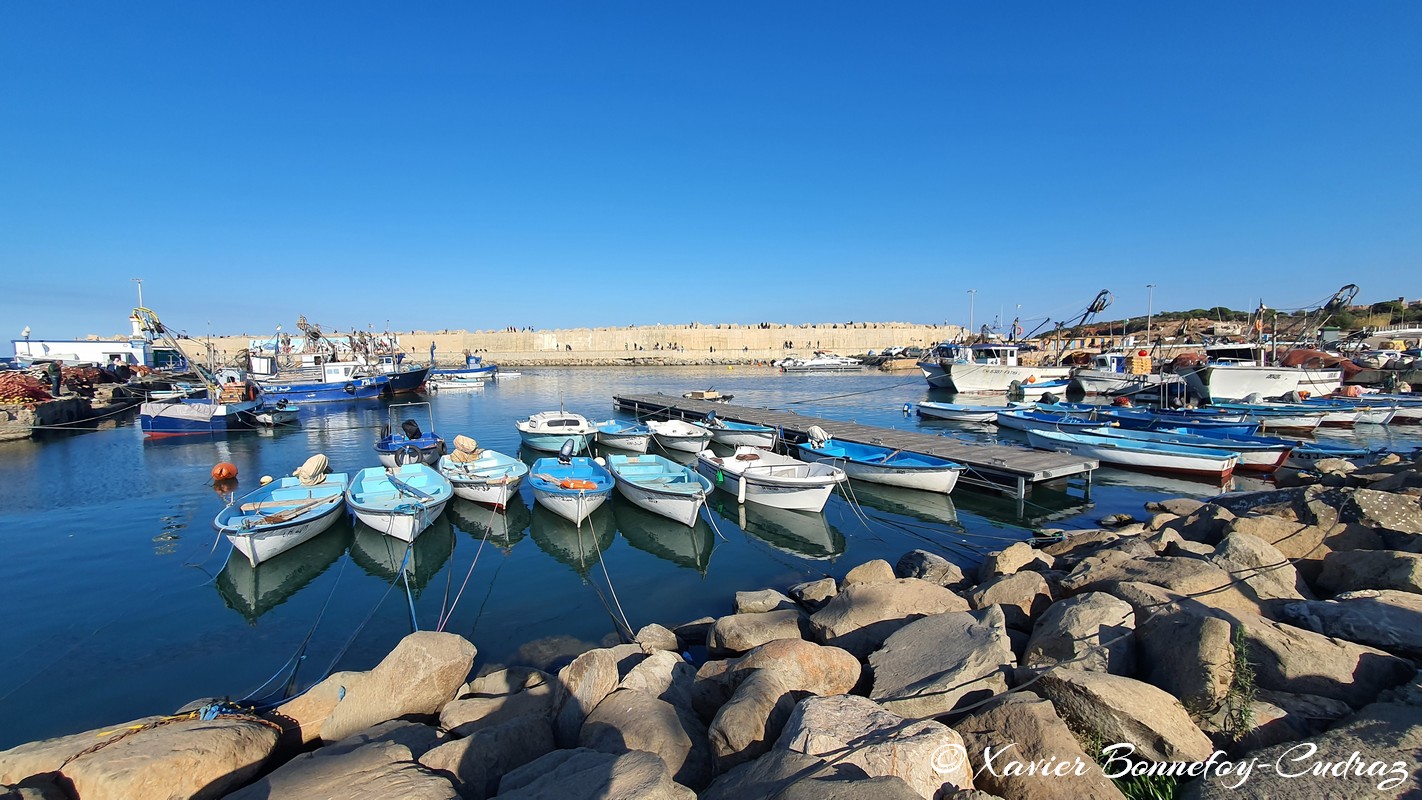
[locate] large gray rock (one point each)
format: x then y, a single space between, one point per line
1386 737
1261 566
862 616
416 737
655 637
812 595
1300 542
737 633
1383 618
631 720
800 665
886 787
765 777
761 601
476 764
694 633
929 567
750 722
1384 511
1208 583
418 677
184 759
371 772
1290 659
1205 524
1275 717
1092 631
943 662
1012 559
1371 569
1179 506
1189 655
665 676
584 683
1115 709
499 697
583 774
1069 552
876 571
847 729
1025 728
1023 596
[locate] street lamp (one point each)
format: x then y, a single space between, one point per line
972 300
1150 307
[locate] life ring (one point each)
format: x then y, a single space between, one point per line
576 483
349 388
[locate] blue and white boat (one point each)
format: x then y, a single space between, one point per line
678 434
1148 456
195 416
959 412
1048 421
483 476
283 514
404 378
1253 456
768 478
474 369
340 381
1282 417
401 502
661 486
550 430
739 434
571 487
409 440
623 435
889 466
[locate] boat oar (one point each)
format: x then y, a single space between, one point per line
406 488
284 516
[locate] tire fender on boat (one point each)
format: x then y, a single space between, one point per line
349 388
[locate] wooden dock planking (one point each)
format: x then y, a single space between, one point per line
1000 467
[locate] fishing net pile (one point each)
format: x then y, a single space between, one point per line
313 471
466 450
19 388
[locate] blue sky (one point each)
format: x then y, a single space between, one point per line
461 165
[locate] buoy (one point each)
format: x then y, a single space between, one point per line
224 471
906 408
266 479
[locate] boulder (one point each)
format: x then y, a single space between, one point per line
477 764
1068 552
370 772
738 633
1383 618
876 571
1290 659
416 737
188 758
1275 717
1371 569
665 676
862 616
584 683
853 787
1025 729
1260 566
1022 596
802 665
418 677
929 567
1115 709
632 720
1384 511
764 777
761 601
750 722
1160 521
812 595
943 662
1179 506
693 634
1189 655
1092 631
1371 754
1205 524
1208 583
583 774
657 637
499 697
1013 559
850 730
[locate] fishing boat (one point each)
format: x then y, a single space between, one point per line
623 435
1149 456
1280 417
1033 420
676 434
550 430
1117 373
1038 389
284 513
571 487
983 368
195 416
880 464
442 383
738 434
409 440
275 415
1370 412
1253 456
761 476
958 412
661 486
399 502
338 382
483 476
474 369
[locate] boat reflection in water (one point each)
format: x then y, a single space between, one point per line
381 556
253 591
926 506
685 547
798 533
503 530
579 548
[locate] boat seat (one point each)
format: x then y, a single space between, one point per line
748 457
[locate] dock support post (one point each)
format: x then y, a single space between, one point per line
1021 496
1089 473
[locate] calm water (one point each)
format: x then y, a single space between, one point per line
121 602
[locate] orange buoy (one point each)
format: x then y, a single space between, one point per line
224 472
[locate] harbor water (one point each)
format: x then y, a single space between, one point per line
122 602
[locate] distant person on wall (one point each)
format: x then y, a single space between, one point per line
432 351
54 370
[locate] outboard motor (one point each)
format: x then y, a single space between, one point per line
411 429
1049 398
565 453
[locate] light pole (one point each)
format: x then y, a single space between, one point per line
1150 308
139 281
972 301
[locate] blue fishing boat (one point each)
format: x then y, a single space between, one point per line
1148 456
1253 456
284 513
960 412
401 502
623 435
660 485
571 487
415 444
1282 417
223 406
1048 421
483 476
474 369
739 434
887 465
404 378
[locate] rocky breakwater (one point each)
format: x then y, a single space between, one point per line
1257 645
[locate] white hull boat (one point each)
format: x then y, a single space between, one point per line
550 430
675 434
400 503
972 378
281 515
760 476
1234 381
956 412
1139 455
661 486
492 478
